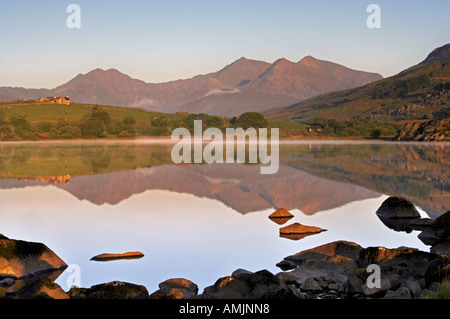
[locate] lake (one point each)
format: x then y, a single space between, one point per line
203 221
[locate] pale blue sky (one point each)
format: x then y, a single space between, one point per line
158 41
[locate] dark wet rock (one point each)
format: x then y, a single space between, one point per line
354 285
7 282
110 290
176 288
442 221
437 234
442 247
429 237
310 285
22 259
259 285
397 207
420 224
438 270
286 265
400 293
290 292
340 269
377 292
398 224
10 293
412 285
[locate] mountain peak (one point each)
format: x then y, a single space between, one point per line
282 61
241 71
308 60
438 54
242 59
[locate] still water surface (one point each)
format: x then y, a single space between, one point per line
202 222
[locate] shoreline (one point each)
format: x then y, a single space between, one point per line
168 140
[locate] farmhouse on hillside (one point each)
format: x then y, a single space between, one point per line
64 100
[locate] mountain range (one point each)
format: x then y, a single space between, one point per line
419 92
242 86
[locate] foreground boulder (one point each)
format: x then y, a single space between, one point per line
243 284
176 288
21 259
110 290
340 269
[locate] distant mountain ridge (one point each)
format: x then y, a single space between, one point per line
418 93
242 86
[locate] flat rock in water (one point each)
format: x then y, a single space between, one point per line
298 229
108 257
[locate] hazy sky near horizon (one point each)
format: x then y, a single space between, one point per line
159 41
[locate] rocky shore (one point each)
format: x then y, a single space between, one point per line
337 270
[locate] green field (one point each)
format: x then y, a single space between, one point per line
76 111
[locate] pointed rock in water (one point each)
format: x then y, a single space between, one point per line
298 228
281 213
280 216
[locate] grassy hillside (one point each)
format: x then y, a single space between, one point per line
36 121
415 94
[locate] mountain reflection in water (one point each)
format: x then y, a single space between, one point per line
312 177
